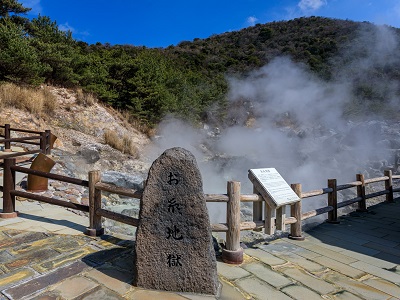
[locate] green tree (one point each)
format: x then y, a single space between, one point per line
12 9
18 59
56 50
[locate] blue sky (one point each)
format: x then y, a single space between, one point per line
157 23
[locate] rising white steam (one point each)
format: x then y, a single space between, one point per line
292 121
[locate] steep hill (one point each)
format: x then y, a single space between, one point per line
191 80
81 130
311 40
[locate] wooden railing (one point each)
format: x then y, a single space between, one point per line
273 218
43 137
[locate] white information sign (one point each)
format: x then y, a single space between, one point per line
275 186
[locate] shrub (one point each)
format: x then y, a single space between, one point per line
85 99
125 145
50 100
35 101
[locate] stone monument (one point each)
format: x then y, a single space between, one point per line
174 250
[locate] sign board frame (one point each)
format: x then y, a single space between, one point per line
271 185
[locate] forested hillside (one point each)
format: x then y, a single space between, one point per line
187 80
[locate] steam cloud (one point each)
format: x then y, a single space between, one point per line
294 123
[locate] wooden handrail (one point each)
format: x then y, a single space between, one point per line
49 200
315 193
118 190
62 178
21 139
274 217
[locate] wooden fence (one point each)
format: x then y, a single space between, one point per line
274 218
43 137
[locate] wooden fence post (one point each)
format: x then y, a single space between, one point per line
270 218
7 135
362 204
295 211
280 218
233 253
43 142
389 186
332 201
48 135
8 186
257 209
95 228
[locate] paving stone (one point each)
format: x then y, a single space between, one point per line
355 239
383 248
112 278
36 245
260 290
99 257
339 267
124 262
2 234
49 295
344 295
301 293
229 292
367 231
40 283
231 272
328 242
384 286
73 287
31 257
378 240
265 257
26 225
5 256
282 246
62 260
197 296
6 222
382 226
100 293
358 288
338 245
326 252
388 257
12 278
303 262
271 277
388 275
312 282
28 237
370 259
147 294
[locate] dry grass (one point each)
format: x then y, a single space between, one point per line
135 123
85 99
124 144
36 101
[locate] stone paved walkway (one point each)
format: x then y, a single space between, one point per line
44 255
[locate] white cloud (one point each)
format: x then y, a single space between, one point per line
252 20
311 5
66 27
34 5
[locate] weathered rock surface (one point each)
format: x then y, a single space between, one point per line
174 249
123 180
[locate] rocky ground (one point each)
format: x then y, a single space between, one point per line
80 147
